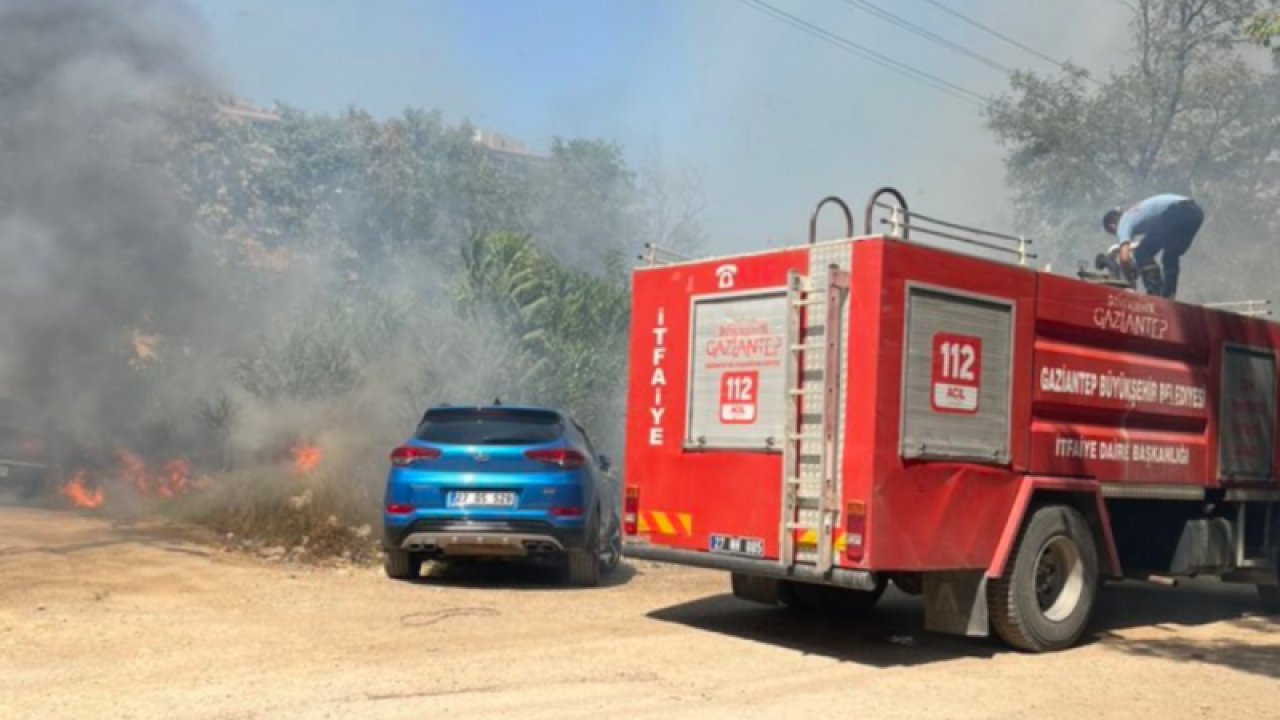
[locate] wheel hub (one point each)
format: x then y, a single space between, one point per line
1059 579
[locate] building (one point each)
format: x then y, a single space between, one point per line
510 153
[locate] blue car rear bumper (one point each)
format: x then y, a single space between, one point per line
529 535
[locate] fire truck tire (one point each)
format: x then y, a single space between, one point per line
401 565
584 564
830 600
1045 597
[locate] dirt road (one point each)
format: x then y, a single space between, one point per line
146 622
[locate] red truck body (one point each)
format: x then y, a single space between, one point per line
962 394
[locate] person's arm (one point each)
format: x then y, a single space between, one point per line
1131 223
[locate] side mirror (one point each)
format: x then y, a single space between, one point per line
604 463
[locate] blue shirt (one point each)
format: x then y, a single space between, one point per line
1138 219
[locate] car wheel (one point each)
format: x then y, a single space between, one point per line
584 564
402 565
1044 600
611 547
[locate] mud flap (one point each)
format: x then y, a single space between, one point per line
955 602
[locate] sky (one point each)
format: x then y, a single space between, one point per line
770 118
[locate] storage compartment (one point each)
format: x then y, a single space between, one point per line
956 384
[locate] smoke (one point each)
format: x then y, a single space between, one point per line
96 254
188 291
781 119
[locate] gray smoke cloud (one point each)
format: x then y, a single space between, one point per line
132 320
95 252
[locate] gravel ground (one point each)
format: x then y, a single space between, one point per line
146 621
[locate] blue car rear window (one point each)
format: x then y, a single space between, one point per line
490 427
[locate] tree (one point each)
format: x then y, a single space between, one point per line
586 203
562 330
1187 115
1264 28
671 207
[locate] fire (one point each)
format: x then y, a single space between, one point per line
79 494
144 347
305 457
173 478
169 480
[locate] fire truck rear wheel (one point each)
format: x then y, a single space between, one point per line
402 565
830 600
1045 597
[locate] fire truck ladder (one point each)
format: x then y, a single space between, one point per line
810 477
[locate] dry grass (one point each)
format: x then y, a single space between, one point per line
331 512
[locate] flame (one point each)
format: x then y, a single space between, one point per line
80 495
305 457
173 478
144 347
133 471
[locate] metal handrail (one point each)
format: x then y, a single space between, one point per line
895 221
1251 308
903 220
654 255
956 226
813 219
1020 253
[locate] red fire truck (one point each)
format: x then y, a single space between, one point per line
824 419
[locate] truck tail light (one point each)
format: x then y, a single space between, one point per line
407 455
631 510
855 526
560 457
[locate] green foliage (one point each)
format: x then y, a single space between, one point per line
1187 115
1264 29
566 328
396 263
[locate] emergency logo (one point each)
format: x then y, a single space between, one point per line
725 276
738 404
957 370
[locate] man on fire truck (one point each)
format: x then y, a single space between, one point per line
1167 223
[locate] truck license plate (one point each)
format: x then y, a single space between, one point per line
737 546
481 498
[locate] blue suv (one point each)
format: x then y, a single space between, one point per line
501 481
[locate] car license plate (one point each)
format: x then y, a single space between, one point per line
737 545
481 498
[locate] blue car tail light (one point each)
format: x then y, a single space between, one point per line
563 458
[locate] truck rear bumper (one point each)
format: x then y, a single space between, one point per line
855 579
